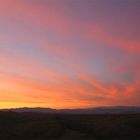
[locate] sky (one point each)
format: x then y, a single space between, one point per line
69 53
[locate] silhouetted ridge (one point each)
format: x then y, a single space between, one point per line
97 110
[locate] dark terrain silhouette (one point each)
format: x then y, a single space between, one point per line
40 126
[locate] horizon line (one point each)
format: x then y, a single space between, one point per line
70 108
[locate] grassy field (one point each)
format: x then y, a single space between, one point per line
65 126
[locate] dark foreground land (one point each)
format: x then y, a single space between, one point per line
67 126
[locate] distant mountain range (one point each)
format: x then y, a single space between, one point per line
97 110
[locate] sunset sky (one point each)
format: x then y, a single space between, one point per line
69 53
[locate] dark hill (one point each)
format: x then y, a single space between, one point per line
97 110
